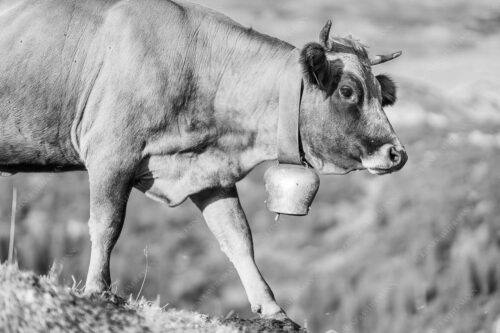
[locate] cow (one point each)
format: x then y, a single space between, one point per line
179 101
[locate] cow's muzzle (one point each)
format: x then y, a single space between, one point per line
398 157
388 158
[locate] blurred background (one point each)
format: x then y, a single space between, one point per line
418 250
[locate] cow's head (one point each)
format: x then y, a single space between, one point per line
343 124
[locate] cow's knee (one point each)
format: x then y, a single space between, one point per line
234 248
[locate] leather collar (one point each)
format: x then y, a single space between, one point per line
290 96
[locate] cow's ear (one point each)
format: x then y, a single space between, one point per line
388 88
318 70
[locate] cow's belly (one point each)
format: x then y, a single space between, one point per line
171 179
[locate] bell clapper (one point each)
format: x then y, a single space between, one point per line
277 217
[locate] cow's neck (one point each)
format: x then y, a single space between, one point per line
248 97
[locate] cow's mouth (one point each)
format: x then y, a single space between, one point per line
379 171
333 169
388 158
376 167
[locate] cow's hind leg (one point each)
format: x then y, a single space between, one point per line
225 218
109 191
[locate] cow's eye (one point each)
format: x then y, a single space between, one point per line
346 91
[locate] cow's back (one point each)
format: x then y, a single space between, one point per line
51 52
45 70
75 71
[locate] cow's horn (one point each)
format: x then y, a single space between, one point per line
324 35
378 59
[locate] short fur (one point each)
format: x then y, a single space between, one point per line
318 70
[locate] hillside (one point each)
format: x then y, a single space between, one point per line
30 303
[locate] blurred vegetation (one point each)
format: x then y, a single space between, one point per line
418 250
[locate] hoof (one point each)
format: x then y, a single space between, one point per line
106 296
280 315
269 311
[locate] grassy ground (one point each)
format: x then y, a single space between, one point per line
31 303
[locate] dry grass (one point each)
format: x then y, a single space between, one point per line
30 303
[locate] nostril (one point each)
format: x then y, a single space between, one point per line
394 155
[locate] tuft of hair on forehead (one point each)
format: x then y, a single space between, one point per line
348 45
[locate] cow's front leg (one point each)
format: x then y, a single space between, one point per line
109 191
225 218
